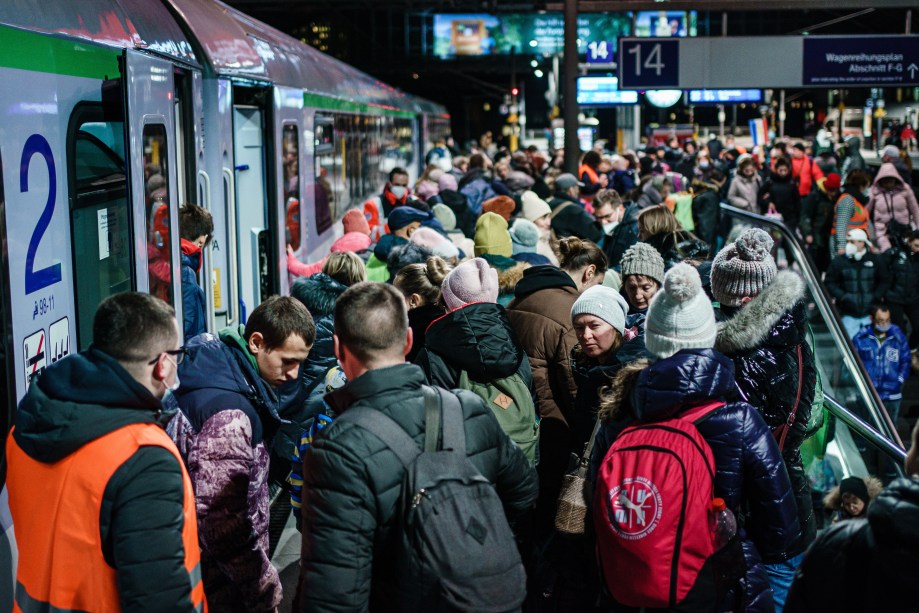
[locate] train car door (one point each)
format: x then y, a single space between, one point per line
152 168
255 252
287 123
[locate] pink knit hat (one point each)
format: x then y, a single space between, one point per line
351 241
472 281
434 241
354 221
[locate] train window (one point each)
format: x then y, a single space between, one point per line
291 189
100 217
323 195
156 196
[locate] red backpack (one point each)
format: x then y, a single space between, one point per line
652 513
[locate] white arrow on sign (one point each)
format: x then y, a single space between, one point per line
912 68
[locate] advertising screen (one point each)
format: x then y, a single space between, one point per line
665 24
477 34
603 91
724 96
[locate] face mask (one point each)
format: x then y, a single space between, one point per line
170 402
883 328
398 191
609 227
853 252
704 164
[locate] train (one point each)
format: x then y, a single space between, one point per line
116 112
119 111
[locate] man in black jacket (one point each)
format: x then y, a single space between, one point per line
867 565
352 480
856 280
102 506
569 217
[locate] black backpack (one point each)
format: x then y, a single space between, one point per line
456 551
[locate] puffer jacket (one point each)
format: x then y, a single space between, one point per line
898 204
479 339
744 192
623 236
856 284
318 294
193 304
352 483
903 267
675 247
750 475
865 565
887 361
783 193
477 187
706 211
230 418
541 318
763 339
573 219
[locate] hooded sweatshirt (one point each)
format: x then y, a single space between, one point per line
898 204
78 400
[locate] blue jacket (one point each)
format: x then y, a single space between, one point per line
887 361
193 313
750 474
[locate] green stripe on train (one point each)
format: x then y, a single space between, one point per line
337 104
48 53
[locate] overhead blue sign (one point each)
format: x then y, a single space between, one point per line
852 60
724 96
600 52
602 91
649 63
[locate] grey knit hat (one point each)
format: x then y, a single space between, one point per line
603 302
743 268
680 315
643 259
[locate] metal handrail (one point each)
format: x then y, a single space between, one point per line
824 304
865 430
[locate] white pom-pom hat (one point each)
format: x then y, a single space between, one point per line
680 315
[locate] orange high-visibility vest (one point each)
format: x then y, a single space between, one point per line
591 173
859 219
56 508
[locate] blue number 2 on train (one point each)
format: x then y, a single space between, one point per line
39 279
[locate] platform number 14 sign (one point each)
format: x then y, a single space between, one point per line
649 63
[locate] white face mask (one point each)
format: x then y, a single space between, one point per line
398 191
169 398
853 252
609 227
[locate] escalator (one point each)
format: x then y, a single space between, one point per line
861 439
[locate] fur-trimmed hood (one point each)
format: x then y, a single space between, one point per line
509 277
777 310
318 293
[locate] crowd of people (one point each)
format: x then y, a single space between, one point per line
599 332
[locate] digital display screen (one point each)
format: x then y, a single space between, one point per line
724 96
603 91
665 24
479 34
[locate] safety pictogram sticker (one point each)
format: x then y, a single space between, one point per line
34 349
59 339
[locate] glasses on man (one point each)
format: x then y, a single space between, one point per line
177 354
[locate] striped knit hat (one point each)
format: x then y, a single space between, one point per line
743 268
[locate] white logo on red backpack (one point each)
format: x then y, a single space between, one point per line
634 508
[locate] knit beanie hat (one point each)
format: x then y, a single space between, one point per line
491 236
445 216
855 486
643 259
603 302
534 207
402 216
437 243
502 205
524 236
472 281
447 181
354 221
680 315
743 268
351 241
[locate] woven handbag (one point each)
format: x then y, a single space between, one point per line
573 498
